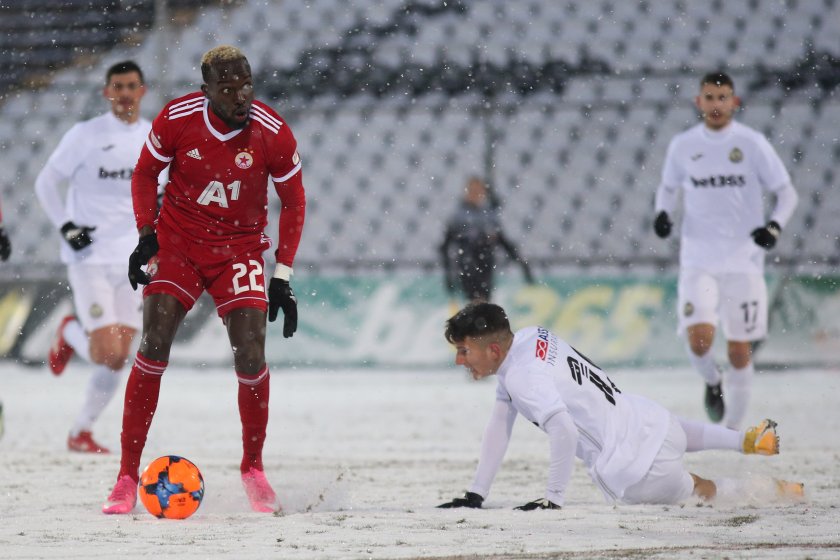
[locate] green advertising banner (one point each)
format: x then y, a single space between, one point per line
397 321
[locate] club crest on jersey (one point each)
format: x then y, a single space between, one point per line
152 267
96 311
296 158
244 159
736 155
688 309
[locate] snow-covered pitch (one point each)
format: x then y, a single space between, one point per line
361 459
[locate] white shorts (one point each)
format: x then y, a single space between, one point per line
737 301
667 481
103 296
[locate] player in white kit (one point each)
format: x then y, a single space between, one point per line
725 171
631 446
96 159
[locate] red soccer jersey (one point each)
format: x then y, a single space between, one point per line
218 177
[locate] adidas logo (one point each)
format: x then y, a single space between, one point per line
194 153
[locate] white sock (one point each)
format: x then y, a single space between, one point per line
705 366
701 436
736 395
76 337
101 388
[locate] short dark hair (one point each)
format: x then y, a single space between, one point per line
476 320
219 55
124 67
717 79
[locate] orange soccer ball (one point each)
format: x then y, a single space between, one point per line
171 487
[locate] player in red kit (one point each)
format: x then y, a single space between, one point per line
223 148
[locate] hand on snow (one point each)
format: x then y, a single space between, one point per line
542 503
470 500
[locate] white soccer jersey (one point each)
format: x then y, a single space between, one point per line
618 435
97 158
724 176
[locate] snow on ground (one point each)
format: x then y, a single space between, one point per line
360 459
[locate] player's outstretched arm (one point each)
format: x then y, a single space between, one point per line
470 500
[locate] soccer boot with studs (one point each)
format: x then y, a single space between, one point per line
786 489
762 439
60 350
259 491
84 443
713 402
123 497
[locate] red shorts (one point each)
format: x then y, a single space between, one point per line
233 276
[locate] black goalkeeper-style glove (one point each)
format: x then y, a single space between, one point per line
146 248
542 503
78 237
470 500
766 236
5 245
662 225
281 296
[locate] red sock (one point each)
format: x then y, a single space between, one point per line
141 398
253 411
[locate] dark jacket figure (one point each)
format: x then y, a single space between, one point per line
468 247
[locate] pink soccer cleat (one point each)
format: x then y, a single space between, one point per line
60 351
84 443
259 491
123 496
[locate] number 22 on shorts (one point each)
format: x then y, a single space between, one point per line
254 280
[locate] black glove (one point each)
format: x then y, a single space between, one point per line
662 225
766 236
78 237
5 245
146 248
542 503
470 500
280 295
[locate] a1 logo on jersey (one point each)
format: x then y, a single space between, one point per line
244 159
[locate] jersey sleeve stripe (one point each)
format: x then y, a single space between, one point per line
263 113
288 175
260 119
178 106
155 153
178 115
